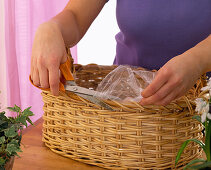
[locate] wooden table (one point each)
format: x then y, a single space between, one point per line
36 156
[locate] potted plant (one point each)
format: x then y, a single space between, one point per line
11 134
203 106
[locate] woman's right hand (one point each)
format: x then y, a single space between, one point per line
48 52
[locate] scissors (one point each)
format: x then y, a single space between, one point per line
71 86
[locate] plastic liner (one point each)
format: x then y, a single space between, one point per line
125 83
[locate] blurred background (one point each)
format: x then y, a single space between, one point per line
19 20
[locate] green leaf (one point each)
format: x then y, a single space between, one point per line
193 162
11 132
203 165
14 109
2 147
19 139
19 150
2 167
3 118
14 142
3 126
12 148
2 115
184 146
2 139
22 119
12 119
27 112
2 122
2 161
198 118
208 141
15 154
29 120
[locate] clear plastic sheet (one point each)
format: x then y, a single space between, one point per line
125 83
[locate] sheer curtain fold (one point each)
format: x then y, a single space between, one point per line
3 87
22 17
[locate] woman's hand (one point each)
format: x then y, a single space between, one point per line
66 28
48 53
173 80
179 74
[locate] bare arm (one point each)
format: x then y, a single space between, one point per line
76 18
179 74
202 51
51 38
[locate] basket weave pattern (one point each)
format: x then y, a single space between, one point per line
131 137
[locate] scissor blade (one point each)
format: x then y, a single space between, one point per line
71 83
82 90
95 100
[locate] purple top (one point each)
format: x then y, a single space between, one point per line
154 31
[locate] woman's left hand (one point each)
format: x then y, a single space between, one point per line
173 80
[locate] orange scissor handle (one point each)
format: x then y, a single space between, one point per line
65 71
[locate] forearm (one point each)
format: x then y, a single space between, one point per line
201 53
68 26
76 18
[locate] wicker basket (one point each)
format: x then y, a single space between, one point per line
131 137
